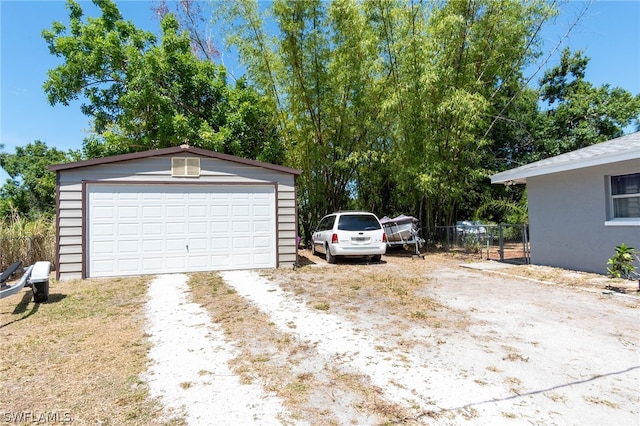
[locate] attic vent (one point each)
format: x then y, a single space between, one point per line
185 167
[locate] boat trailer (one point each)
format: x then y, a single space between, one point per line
35 276
403 231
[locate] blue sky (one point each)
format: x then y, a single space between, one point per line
609 33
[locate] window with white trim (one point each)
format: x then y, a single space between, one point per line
185 166
625 196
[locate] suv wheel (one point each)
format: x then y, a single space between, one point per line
330 258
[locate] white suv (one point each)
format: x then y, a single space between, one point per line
349 234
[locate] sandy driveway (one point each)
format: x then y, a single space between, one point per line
509 351
189 370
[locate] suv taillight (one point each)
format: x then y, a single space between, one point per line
334 239
384 237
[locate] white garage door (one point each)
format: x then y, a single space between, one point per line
151 229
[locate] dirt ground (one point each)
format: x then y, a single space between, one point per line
458 340
444 340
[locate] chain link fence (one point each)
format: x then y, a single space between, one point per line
29 250
502 242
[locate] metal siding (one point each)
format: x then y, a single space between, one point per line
288 218
286 193
70 267
70 258
288 250
70 231
70 205
70 213
66 195
287 203
74 249
287 226
285 236
288 260
70 240
71 222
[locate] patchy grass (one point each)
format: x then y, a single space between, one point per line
82 353
360 289
280 362
263 353
563 277
601 401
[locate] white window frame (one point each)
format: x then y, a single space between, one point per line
619 221
185 167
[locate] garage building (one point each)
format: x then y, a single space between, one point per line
178 209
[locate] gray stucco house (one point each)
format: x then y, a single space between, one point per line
178 209
582 204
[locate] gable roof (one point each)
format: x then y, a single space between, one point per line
620 149
170 151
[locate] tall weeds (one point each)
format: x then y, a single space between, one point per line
27 240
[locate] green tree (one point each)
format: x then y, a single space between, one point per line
322 78
31 189
384 104
452 67
578 113
144 94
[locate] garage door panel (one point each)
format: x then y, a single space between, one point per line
150 196
176 263
127 196
198 262
262 260
175 212
240 211
152 212
220 242
127 230
175 228
262 211
174 245
196 228
103 212
181 228
241 243
261 226
219 226
129 266
196 244
102 267
241 226
261 242
240 260
103 230
240 196
198 211
127 212
151 229
175 196
220 261
220 211
103 247
130 246
152 246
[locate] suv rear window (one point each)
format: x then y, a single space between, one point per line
358 222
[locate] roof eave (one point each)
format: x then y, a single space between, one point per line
519 175
170 151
